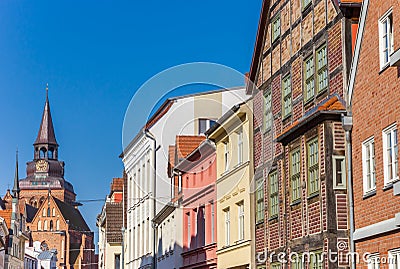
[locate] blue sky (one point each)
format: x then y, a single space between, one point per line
94 55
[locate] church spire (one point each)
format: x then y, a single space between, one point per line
46 133
16 190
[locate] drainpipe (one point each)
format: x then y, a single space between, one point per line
347 123
149 135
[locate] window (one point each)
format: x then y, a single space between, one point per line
267 111
54 212
306 3
322 70
179 182
316 260
309 78
45 226
48 211
373 261
51 225
276 28
313 171
276 265
390 154
339 172
394 259
368 157
212 222
117 261
44 212
226 155
189 232
205 124
39 225
201 229
241 220
295 175
297 261
386 38
240 146
227 226
273 195
287 96
260 200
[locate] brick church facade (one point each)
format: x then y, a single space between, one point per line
57 224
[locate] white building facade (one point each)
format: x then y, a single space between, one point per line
186 115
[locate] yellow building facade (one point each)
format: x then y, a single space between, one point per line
235 200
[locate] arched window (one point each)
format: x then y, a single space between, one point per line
35 204
44 212
39 225
58 225
50 154
41 201
45 226
42 153
54 212
51 225
48 212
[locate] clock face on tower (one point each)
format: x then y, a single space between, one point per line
42 166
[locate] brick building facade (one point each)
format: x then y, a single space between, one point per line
300 68
374 103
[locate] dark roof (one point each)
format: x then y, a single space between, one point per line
2 204
71 214
114 222
46 133
30 212
74 250
45 255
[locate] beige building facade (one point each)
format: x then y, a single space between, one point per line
235 206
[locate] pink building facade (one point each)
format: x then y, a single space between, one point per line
197 197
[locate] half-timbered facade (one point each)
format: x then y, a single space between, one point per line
300 67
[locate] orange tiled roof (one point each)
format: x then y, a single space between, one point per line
117 184
331 104
6 215
185 144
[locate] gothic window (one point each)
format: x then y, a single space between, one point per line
45 226
42 153
48 212
50 154
51 225
39 225
44 246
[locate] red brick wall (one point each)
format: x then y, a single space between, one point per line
375 105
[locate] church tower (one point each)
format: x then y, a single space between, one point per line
45 172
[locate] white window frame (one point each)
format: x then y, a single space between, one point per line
208 124
386 35
373 261
226 156
240 146
227 226
366 146
240 206
343 170
392 130
189 229
179 182
394 258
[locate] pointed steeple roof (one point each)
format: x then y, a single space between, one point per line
16 190
46 133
